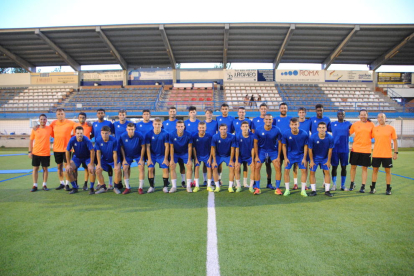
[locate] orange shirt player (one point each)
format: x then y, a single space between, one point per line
383 135
361 148
39 151
62 129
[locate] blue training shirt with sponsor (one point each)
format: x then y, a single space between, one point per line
202 144
191 127
132 145
223 145
305 125
340 133
226 120
283 123
212 127
267 140
120 128
157 142
169 126
295 144
107 149
97 127
237 124
245 145
320 147
143 127
315 121
81 149
180 144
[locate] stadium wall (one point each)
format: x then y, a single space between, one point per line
199 76
18 79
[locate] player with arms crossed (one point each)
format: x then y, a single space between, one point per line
222 150
39 151
244 155
382 154
158 148
83 154
320 153
295 148
201 153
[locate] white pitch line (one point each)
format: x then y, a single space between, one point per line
212 264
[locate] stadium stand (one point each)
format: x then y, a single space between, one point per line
198 95
34 99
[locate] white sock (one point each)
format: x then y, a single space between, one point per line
35 184
220 176
188 183
197 181
174 183
245 181
62 182
182 177
295 181
208 182
251 182
217 183
110 180
238 183
67 182
141 183
127 183
313 186
303 186
231 184
205 176
327 187
287 186
44 183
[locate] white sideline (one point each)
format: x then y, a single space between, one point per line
212 264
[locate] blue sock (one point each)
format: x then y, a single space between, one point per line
334 180
277 184
92 184
257 184
74 185
343 180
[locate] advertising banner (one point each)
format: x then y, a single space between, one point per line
300 75
348 76
265 75
394 78
150 74
236 75
54 78
102 76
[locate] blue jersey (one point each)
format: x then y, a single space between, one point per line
81 149
202 144
107 149
226 120
295 144
237 124
245 145
257 123
223 145
120 128
144 128
180 144
268 140
305 125
169 126
282 122
212 127
191 127
315 121
340 133
97 127
132 146
320 147
157 142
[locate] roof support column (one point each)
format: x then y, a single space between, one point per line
284 45
21 62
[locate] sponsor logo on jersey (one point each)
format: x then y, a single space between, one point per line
317 142
126 140
76 144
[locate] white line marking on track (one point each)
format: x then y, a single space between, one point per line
212 264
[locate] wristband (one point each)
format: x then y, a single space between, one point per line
29 152
396 152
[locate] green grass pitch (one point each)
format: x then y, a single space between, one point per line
53 233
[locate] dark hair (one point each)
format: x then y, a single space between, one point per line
202 123
362 111
283 104
224 105
209 110
157 119
321 123
318 106
60 109
122 111
82 113
263 104
294 120
341 110
101 109
106 128
172 107
242 107
42 115
222 125
78 127
302 109
180 122
191 108
146 110
245 123
131 125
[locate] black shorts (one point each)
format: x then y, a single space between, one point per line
40 160
60 157
360 159
386 162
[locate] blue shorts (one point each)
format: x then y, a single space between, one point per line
225 159
263 155
131 160
105 166
248 161
291 163
80 161
336 157
182 157
321 165
158 160
203 159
